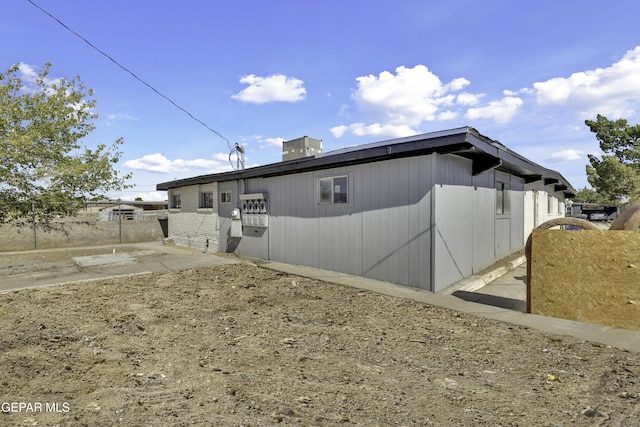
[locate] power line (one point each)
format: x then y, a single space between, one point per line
130 72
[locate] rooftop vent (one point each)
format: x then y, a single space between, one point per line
301 147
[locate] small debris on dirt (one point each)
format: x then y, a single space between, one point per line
242 345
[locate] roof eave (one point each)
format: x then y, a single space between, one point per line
466 142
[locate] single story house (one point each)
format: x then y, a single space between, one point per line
422 211
120 211
131 211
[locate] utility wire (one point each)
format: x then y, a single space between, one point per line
130 72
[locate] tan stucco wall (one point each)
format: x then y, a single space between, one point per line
78 231
589 276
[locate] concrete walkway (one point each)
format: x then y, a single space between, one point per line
507 291
500 286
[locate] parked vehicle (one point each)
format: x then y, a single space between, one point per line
598 216
573 227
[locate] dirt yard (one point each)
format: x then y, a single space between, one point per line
239 345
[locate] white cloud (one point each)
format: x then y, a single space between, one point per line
116 117
29 75
146 196
500 111
28 72
612 91
566 155
344 111
275 88
276 142
447 115
375 129
152 196
261 142
338 131
398 103
459 83
407 98
159 163
468 98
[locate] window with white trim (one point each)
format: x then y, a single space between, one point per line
175 201
333 190
206 200
225 197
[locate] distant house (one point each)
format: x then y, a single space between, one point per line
423 211
116 212
113 210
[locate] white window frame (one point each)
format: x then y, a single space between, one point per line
176 201
205 198
225 196
328 196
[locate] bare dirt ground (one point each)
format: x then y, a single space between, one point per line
239 345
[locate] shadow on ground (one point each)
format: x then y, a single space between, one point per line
493 300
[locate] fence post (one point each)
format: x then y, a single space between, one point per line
33 221
120 220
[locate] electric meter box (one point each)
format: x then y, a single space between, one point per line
236 228
255 210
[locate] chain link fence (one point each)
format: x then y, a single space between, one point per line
60 224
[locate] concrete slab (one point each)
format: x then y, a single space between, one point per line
481 280
504 286
129 259
512 284
114 258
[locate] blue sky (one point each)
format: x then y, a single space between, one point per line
348 72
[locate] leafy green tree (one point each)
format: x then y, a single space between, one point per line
43 161
588 195
616 174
